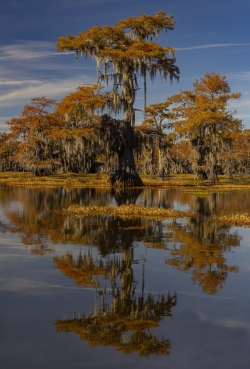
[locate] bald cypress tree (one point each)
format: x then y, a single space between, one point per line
124 53
202 116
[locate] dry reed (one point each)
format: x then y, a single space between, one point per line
234 219
125 211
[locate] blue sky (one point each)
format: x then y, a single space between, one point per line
210 36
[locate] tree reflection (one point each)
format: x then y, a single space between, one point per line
124 316
199 246
84 269
32 214
125 196
128 327
121 316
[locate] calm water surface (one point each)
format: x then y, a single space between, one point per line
108 293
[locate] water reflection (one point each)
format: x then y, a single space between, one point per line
107 256
125 196
32 214
197 245
201 248
84 269
124 323
122 317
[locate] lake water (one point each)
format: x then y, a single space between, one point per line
101 292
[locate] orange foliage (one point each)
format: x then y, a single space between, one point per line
204 107
113 45
201 250
76 110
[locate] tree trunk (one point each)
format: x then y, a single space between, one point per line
200 174
145 94
126 175
199 166
212 173
212 176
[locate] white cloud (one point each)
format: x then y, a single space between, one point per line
244 103
16 56
229 323
26 90
32 69
18 83
28 286
209 46
30 61
28 50
245 76
243 116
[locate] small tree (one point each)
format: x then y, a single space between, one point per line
8 150
152 128
32 132
125 50
201 115
80 135
235 156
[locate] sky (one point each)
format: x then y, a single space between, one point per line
210 36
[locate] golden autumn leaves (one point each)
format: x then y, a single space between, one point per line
126 44
200 116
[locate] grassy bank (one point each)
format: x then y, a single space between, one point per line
186 181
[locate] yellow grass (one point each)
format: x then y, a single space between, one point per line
125 212
83 180
234 219
67 180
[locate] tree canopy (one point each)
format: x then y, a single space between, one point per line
202 116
